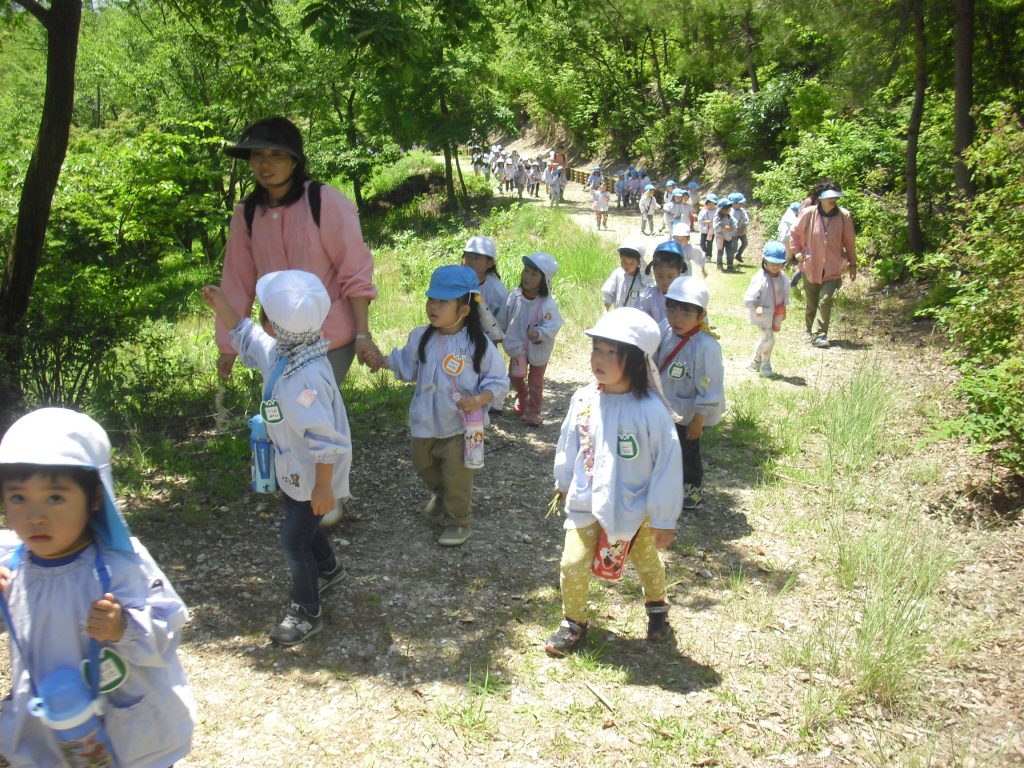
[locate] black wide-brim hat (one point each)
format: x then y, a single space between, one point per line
271 133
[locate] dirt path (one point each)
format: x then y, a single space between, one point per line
432 657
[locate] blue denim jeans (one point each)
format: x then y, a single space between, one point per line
307 550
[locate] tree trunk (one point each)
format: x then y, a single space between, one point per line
449 180
462 181
963 92
915 240
748 46
62 21
353 141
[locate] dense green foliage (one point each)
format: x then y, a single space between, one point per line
787 91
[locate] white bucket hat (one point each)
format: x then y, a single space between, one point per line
295 300
482 245
630 326
545 262
680 229
58 437
689 290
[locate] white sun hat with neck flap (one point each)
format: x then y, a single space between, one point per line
59 437
630 326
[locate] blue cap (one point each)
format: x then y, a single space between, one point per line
691 185
670 181
648 187
670 246
774 252
711 197
452 281
597 167
678 192
725 202
794 207
737 197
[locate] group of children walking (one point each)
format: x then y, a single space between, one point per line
76 585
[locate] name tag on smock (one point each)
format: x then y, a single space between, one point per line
270 410
677 370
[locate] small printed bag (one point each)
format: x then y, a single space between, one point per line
609 557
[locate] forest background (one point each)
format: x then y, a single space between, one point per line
913 106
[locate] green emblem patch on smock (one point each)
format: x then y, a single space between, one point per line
628 447
270 410
677 370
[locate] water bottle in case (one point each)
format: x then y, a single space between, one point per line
68 708
264 477
473 454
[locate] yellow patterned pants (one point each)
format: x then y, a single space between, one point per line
580 544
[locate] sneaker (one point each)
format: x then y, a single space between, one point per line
568 637
337 514
692 496
327 580
766 370
658 627
298 625
821 342
754 364
454 535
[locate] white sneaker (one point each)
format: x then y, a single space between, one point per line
821 342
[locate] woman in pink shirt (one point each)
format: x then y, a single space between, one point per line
291 222
823 241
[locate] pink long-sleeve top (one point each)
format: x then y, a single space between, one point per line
288 238
826 242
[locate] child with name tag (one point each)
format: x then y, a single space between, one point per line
617 473
94 624
626 282
689 361
766 299
531 320
458 374
306 421
668 262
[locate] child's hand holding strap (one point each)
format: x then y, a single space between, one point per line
106 620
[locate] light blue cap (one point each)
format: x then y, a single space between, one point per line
794 207
452 281
774 252
691 185
648 187
670 181
678 192
737 197
725 202
670 246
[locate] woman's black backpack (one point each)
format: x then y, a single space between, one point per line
312 193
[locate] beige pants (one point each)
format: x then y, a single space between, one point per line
439 463
580 544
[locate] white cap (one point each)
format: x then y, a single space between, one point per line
58 437
829 194
680 229
545 262
630 326
690 290
633 244
482 245
295 300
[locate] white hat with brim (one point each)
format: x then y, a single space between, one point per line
544 262
680 229
629 326
689 290
59 437
632 248
294 300
482 245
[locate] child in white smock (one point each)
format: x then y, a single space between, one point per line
648 206
668 262
626 282
531 321
78 587
692 372
617 471
458 372
307 423
479 255
766 299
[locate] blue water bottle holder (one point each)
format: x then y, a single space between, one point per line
261 447
71 709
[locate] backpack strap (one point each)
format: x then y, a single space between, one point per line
313 194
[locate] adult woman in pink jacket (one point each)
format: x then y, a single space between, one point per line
291 222
823 241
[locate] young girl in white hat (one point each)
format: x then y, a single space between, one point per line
531 321
306 422
617 471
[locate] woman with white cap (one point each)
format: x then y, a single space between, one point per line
292 222
617 472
